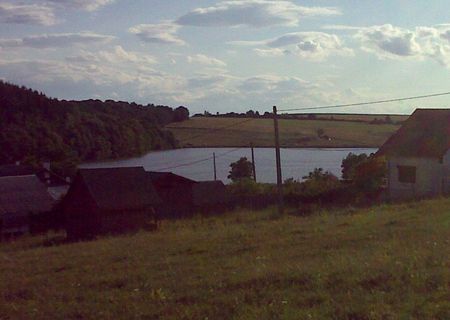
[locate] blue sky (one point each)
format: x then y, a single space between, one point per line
231 55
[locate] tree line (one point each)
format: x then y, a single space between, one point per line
35 128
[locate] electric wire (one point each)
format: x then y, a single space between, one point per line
367 103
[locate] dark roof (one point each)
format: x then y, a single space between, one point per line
10 170
168 177
209 192
24 194
46 176
120 188
425 134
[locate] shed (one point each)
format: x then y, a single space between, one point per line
22 198
418 156
109 200
56 186
175 192
210 195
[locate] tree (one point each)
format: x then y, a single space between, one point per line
370 175
350 163
241 169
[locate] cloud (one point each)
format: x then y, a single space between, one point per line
56 40
115 56
26 14
315 46
88 5
205 60
390 42
162 33
255 13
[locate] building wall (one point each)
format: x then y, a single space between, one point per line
431 178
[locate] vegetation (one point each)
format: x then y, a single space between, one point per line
387 262
203 132
36 128
241 169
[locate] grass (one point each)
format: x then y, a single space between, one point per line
387 262
199 132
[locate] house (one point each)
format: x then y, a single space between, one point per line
56 186
23 199
109 200
175 192
418 156
209 196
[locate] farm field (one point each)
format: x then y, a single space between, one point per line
386 262
239 132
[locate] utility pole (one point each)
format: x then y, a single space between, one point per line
253 162
278 162
214 162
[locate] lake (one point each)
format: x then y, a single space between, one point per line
197 163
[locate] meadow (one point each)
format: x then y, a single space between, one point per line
384 262
207 132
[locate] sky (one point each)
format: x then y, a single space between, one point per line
233 55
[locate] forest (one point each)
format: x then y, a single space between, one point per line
36 128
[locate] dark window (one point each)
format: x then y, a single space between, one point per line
407 174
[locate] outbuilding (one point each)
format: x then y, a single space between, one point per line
23 200
175 192
109 200
418 156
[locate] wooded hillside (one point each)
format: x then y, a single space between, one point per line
35 128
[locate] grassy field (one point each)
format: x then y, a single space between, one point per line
201 132
388 262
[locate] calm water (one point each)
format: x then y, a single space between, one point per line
197 163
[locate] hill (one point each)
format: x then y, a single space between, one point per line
239 132
388 262
35 128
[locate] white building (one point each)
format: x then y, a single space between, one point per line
418 156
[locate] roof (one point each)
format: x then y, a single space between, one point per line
169 177
10 170
20 194
209 192
426 134
46 176
120 188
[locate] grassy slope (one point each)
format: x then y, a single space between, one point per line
389 262
293 133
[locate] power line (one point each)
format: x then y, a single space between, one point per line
367 103
197 161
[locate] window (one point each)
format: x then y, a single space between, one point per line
407 174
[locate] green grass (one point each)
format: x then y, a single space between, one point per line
387 262
199 132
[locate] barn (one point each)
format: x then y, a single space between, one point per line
418 156
109 200
23 199
175 192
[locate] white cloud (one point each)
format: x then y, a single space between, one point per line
255 13
88 5
387 41
26 14
162 33
205 60
117 55
56 40
315 46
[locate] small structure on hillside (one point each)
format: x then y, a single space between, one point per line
210 196
56 186
23 200
109 200
175 192
418 156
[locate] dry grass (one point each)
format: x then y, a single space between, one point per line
199 132
388 262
